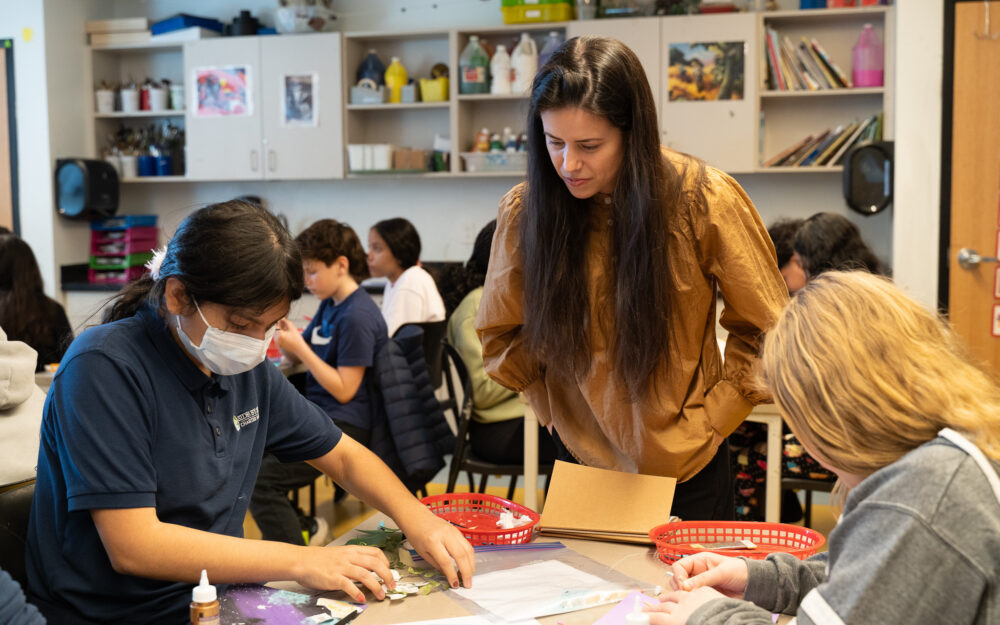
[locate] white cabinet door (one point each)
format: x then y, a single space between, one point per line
642 34
301 116
222 86
705 49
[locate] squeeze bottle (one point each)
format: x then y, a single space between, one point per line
204 603
867 70
551 45
395 80
637 616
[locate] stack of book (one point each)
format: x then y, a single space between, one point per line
121 31
827 148
802 67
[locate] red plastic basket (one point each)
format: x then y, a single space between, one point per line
673 540
476 516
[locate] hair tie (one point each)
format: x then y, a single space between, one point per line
154 263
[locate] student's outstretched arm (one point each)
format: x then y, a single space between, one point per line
363 474
139 544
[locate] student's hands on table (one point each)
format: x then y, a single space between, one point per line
440 543
697 580
337 568
289 338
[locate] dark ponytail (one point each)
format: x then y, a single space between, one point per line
234 253
458 281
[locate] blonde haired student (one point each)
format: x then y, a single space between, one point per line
881 392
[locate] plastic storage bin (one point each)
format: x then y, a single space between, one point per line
530 11
122 261
122 222
495 161
434 89
114 276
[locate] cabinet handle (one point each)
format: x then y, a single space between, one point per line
272 160
254 160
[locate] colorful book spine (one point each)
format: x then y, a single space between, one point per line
819 63
844 80
779 82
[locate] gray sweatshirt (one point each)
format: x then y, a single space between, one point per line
918 543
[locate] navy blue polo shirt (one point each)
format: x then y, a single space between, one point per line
131 422
348 334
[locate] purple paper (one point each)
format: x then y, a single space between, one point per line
616 616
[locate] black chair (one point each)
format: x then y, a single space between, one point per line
434 332
15 506
808 485
464 458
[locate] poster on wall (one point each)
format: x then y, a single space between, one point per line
223 91
706 71
300 100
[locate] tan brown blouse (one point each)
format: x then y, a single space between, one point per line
696 401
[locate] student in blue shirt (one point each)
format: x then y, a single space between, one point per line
338 347
154 430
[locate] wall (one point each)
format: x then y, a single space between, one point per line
24 22
919 31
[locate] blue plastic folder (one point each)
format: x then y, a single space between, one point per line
183 20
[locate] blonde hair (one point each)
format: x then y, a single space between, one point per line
863 374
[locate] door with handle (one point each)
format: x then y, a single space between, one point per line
973 270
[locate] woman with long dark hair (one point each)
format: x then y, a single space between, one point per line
600 298
26 313
154 430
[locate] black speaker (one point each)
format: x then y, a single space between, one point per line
868 176
85 188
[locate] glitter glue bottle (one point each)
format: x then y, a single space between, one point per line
637 616
204 603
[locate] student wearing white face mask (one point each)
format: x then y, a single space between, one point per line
154 430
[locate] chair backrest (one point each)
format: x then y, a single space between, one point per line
434 332
15 506
461 408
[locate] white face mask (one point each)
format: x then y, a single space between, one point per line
226 353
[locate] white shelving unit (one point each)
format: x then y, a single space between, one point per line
788 116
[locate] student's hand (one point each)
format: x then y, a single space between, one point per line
724 574
439 543
676 607
337 568
289 339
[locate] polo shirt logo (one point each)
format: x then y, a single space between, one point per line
240 421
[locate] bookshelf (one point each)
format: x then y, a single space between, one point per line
788 116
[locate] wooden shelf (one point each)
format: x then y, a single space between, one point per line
400 174
398 107
148 179
480 97
822 93
120 115
491 174
824 14
799 170
139 47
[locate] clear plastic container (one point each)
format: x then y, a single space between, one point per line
474 72
495 161
552 44
868 70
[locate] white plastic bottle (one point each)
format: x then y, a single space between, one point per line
524 62
637 616
204 603
500 71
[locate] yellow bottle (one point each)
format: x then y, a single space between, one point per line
395 80
204 603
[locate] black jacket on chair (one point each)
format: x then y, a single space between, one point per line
409 431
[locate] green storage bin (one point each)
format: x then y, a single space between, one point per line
120 262
532 11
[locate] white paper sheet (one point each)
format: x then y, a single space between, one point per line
539 589
468 620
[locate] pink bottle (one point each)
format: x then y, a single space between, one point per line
867 70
